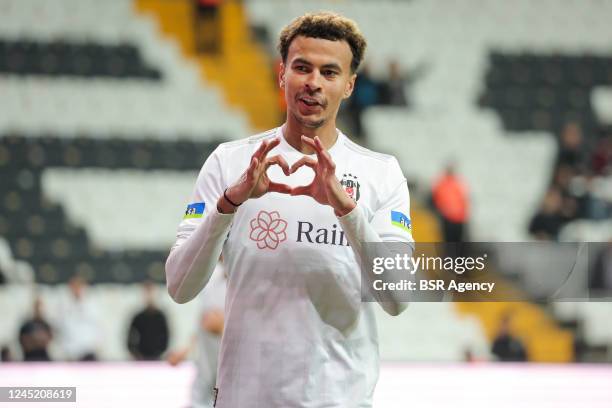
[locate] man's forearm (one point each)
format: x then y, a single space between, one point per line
358 231
190 265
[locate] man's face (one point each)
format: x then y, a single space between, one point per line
316 78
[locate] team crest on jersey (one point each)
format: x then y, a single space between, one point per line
351 186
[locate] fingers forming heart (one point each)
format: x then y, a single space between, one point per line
323 158
275 187
308 162
282 163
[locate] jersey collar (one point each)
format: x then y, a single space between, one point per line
286 147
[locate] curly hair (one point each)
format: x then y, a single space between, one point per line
328 26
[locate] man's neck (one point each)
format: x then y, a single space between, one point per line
293 131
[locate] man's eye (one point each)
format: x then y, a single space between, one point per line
330 73
301 68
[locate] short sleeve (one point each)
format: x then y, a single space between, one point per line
203 200
392 219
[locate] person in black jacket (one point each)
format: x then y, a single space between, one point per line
35 335
148 333
507 347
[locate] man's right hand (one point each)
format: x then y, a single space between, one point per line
254 182
174 358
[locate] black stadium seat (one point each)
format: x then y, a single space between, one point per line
39 231
61 58
542 92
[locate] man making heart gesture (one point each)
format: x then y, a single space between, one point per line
291 209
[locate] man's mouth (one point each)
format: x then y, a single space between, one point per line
310 101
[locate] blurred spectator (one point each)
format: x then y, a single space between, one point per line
470 357
364 95
393 89
208 26
562 179
601 279
506 347
35 335
589 204
148 332
574 192
571 149
78 330
207 340
5 354
563 176
450 199
601 160
547 222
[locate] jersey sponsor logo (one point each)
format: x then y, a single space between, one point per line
308 233
402 221
351 186
195 210
268 229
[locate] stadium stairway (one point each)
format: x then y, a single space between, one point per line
544 340
242 69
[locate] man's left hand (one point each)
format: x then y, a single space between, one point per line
325 187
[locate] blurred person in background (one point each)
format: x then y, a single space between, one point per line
35 335
571 147
547 222
208 26
206 340
575 191
79 333
601 159
601 277
451 201
563 176
589 203
395 89
365 95
5 354
506 347
148 332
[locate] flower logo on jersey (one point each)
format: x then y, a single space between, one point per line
268 229
351 185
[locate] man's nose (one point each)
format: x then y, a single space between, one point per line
313 82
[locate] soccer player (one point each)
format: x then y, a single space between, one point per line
206 340
291 209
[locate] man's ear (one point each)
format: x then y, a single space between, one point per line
350 85
281 75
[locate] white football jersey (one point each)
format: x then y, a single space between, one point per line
296 332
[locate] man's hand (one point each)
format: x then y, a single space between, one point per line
254 182
174 358
325 187
213 321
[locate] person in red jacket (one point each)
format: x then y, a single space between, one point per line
450 198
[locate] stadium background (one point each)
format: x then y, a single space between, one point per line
109 108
